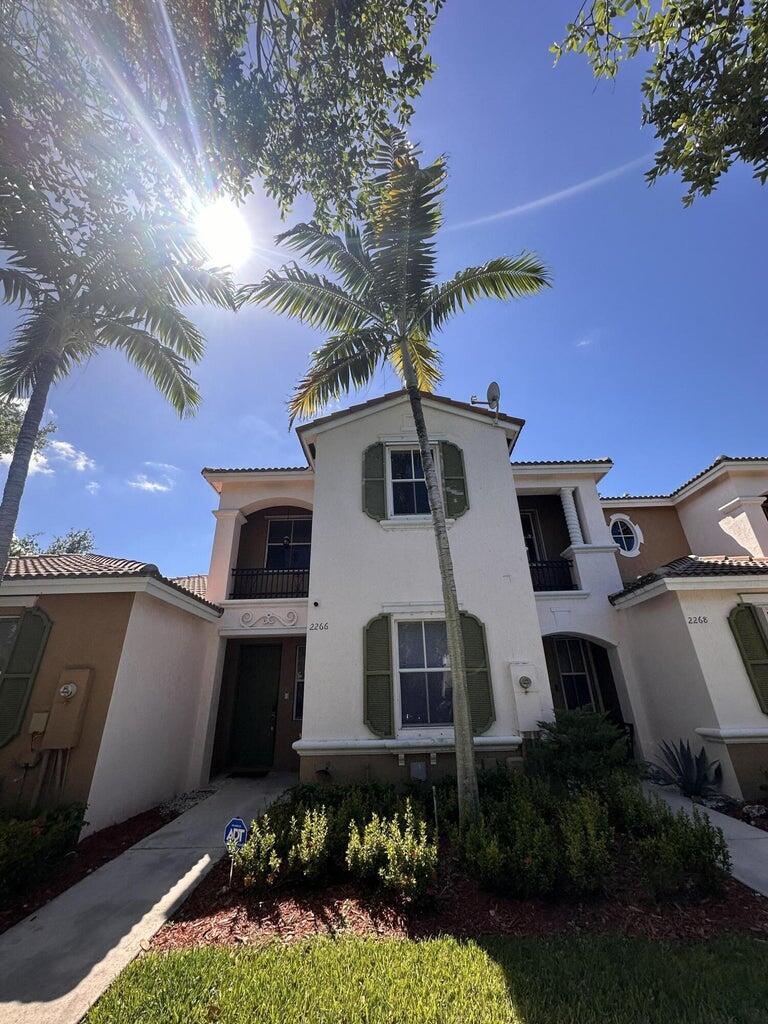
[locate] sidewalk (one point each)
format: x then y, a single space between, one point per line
56 963
748 846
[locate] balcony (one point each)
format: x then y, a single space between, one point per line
250 584
553 574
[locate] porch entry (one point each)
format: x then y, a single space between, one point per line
260 705
580 676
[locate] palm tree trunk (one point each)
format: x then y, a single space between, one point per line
466 774
22 455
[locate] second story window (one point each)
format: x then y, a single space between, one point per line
409 489
288 543
626 535
532 535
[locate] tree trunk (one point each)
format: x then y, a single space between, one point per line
466 775
22 455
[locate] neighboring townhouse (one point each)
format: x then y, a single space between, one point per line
317 644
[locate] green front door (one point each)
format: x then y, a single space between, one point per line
252 740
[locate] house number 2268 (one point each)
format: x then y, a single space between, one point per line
318 625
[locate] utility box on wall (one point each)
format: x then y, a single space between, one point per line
66 718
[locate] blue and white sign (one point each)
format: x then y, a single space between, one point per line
236 832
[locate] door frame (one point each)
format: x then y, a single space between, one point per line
269 763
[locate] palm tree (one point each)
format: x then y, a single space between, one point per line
386 305
119 288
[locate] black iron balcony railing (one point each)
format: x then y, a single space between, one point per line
554 574
269 583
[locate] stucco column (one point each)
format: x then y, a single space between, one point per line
571 515
226 541
745 520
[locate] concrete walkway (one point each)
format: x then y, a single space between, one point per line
56 963
748 845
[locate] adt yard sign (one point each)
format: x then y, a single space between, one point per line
236 832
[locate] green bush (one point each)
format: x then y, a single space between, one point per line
683 855
580 749
587 844
30 848
257 858
397 853
308 850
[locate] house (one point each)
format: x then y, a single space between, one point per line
316 643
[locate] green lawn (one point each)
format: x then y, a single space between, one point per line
518 981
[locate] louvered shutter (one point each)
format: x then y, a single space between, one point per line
379 713
478 673
18 678
454 480
750 636
374 482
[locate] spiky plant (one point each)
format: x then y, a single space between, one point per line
693 774
385 306
121 288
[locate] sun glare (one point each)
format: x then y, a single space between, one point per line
224 234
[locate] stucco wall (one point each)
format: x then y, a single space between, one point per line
87 632
361 568
711 532
145 749
663 539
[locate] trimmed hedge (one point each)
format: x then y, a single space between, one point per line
30 847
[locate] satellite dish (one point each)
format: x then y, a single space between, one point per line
493 395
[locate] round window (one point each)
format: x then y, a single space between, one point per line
626 535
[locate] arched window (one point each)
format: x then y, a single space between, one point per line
626 535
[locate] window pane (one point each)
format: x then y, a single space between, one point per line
577 655
440 695
279 531
298 707
410 645
301 655
403 502
563 659
401 466
277 556
422 499
418 469
302 531
299 556
413 698
436 642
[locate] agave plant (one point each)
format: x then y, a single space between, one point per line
693 774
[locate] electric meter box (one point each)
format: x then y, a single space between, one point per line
67 710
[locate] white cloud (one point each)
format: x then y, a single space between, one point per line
141 482
71 456
93 487
166 467
38 464
585 342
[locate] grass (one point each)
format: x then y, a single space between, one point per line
443 981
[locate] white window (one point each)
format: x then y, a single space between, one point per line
426 692
626 535
407 486
288 543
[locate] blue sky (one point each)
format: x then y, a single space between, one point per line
650 348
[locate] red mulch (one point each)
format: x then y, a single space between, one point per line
217 915
95 850
738 813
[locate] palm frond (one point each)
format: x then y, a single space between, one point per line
502 278
311 298
426 362
18 287
341 364
166 369
346 257
163 320
31 344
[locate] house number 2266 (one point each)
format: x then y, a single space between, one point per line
697 620
318 625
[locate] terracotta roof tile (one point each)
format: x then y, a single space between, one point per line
197 584
672 494
698 567
256 469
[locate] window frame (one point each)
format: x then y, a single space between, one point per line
406 446
438 729
287 519
621 517
590 672
536 534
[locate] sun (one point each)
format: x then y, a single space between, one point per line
224 234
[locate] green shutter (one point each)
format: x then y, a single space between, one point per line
374 482
18 678
454 480
751 640
379 713
478 673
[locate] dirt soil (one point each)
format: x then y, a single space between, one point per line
95 850
217 915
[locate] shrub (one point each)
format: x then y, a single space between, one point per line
683 855
309 850
30 848
587 844
693 774
396 853
580 749
631 812
258 858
